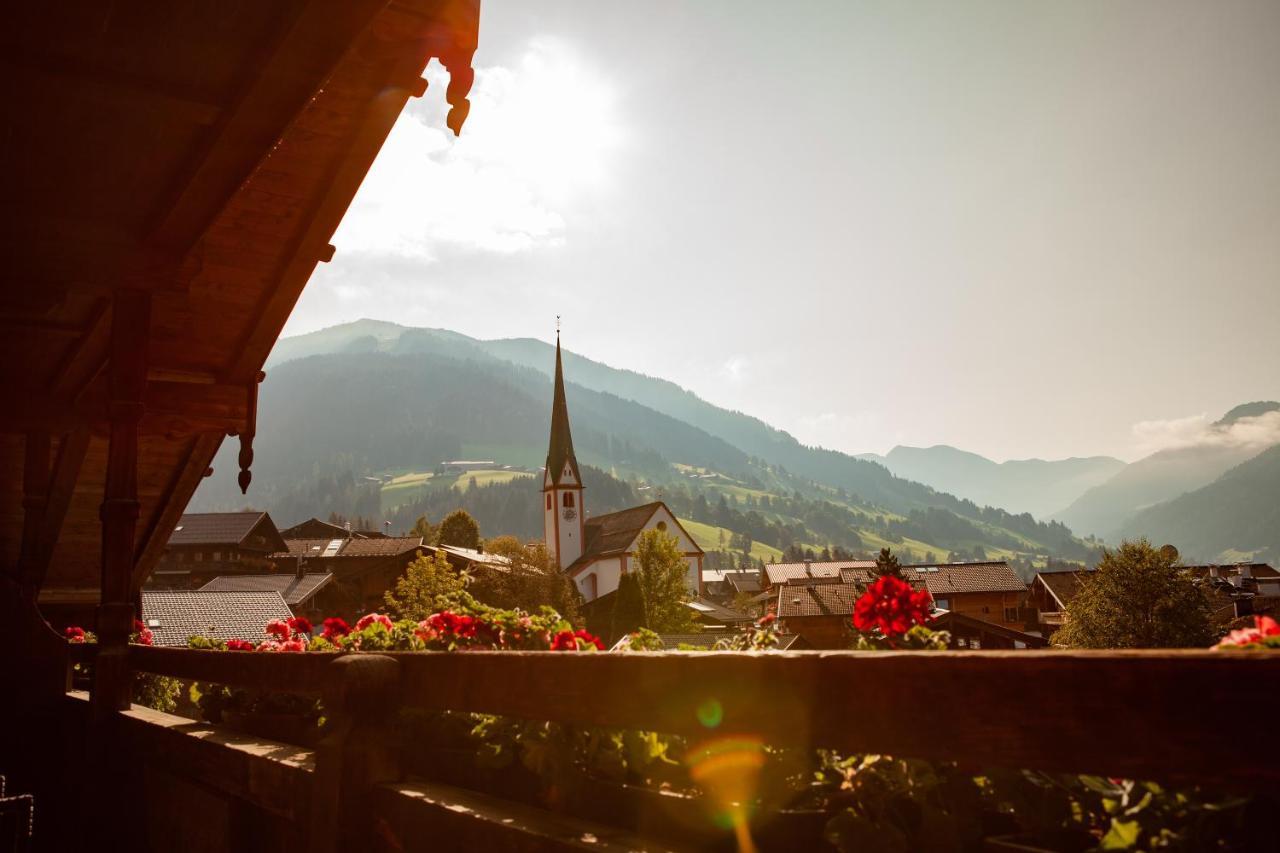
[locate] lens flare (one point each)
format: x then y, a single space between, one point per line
728 769
710 713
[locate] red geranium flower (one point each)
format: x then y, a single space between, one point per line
239 646
1263 627
892 606
300 625
144 637
373 619
293 646
445 622
278 628
74 634
589 639
335 627
564 641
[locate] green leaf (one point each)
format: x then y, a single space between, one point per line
1123 835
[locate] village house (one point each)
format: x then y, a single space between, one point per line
205 545
597 551
308 594
975 634
363 569
314 528
818 610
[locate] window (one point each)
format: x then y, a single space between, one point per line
548 500
962 643
198 556
942 603
234 556
1011 614
662 525
568 498
986 609
177 558
975 643
217 556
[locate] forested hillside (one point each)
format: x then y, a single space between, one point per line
363 432
1236 517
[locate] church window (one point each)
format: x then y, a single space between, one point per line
568 498
662 525
548 500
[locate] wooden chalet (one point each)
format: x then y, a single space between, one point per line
177 170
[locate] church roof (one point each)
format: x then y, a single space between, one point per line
560 451
614 532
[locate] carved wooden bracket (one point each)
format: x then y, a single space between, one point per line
246 436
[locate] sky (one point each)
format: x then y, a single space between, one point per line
1022 229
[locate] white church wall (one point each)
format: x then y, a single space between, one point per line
606 572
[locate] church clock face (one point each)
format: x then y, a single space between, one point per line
570 513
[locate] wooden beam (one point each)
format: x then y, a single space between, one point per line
130 339
326 212
291 69
173 504
171 408
35 492
117 90
61 488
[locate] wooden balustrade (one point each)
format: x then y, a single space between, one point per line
1163 715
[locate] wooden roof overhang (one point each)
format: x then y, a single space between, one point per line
176 172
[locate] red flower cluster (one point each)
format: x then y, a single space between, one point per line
300 625
572 641
74 634
240 646
335 628
141 634
279 629
372 619
892 606
1263 627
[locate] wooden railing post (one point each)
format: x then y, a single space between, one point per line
361 700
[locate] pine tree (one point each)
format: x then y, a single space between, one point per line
628 608
887 564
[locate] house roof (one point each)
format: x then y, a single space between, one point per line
743 581
825 599
176 616
1231 570
223 528
614 532
560 450
293 589
184 197
945 579
471 555
783 572
340 547
1063 586
718 613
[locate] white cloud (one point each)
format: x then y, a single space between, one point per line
1199 431
735 369
537 138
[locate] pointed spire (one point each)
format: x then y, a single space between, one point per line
560 450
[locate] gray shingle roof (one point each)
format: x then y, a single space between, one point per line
718 613
217 615
950 578
783 572
293 589
221 528
817 599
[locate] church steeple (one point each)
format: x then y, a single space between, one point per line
560 457
563 521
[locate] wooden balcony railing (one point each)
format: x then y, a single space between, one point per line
1147 715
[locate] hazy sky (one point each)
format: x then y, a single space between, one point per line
1024 229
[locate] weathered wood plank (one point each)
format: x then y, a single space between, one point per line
427 817
273 776
1136 714
288 673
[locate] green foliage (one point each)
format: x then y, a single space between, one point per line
919 638
1137 599
887 564
156 691
425 529
662 572
429 585
528 582
628 608
460 530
